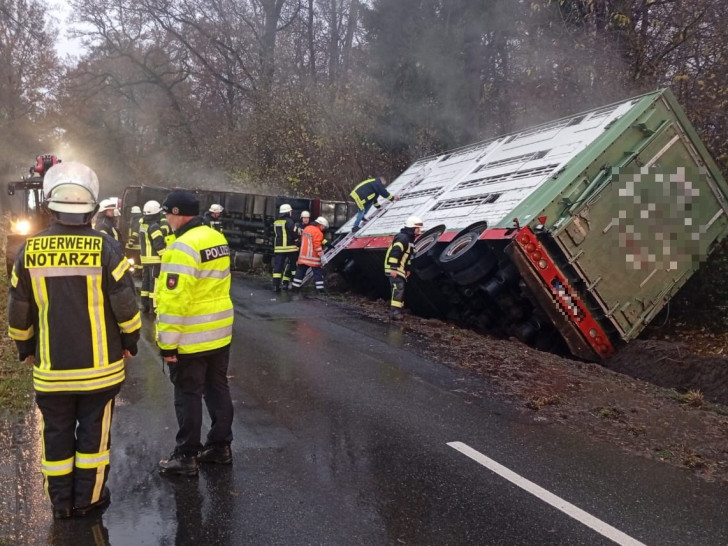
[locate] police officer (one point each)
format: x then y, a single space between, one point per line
365 194
285 250
397 263
194 330
108 211
153 243
213 217
72 313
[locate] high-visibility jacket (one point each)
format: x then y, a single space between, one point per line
369 190
152 239
106 225
285 234
167 231
194 309
399 253
72 305
312 239
132 240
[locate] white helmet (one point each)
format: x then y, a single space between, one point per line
305 214
71 187
110 204
285 209
216 208
413 221
322 221
136 210
151 207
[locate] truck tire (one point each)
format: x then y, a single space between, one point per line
424 263
460 253
483 267
425 244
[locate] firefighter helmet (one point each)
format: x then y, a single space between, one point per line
216 208
322 222
151 207
285 209
413 221
136 210
71 187
305 214
110 204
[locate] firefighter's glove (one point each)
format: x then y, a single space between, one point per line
377 205
129 342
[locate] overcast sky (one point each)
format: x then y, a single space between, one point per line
65 46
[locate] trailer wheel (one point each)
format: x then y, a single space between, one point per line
424 247
429 272
483 267
460 253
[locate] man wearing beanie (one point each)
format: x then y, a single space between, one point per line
194 330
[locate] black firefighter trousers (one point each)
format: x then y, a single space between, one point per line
193 377
76 435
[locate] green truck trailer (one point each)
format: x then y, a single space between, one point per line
583 227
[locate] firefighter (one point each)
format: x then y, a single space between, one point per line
397 263
132 236
305 220
290 266
312 250
365 194
153 243
285 250
194 330
213 217
72 313
105 221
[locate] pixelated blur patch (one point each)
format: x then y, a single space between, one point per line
662 216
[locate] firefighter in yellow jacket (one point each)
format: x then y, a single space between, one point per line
72 313
194 330
153 238
397 263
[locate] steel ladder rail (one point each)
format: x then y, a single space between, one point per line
349 237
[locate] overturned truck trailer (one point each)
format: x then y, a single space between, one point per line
584 227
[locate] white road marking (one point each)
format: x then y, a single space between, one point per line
567 508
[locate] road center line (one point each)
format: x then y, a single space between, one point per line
567 508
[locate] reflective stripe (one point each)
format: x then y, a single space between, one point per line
14 278
187 249
191 338
82 386
98 330
21 335
80 373
198 319
41 299
56 468
92 460
122 268
63 271
103 449
194 272
131 325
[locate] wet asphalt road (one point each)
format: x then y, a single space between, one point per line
341 437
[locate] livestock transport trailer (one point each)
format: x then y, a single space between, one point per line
247 220
585 227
